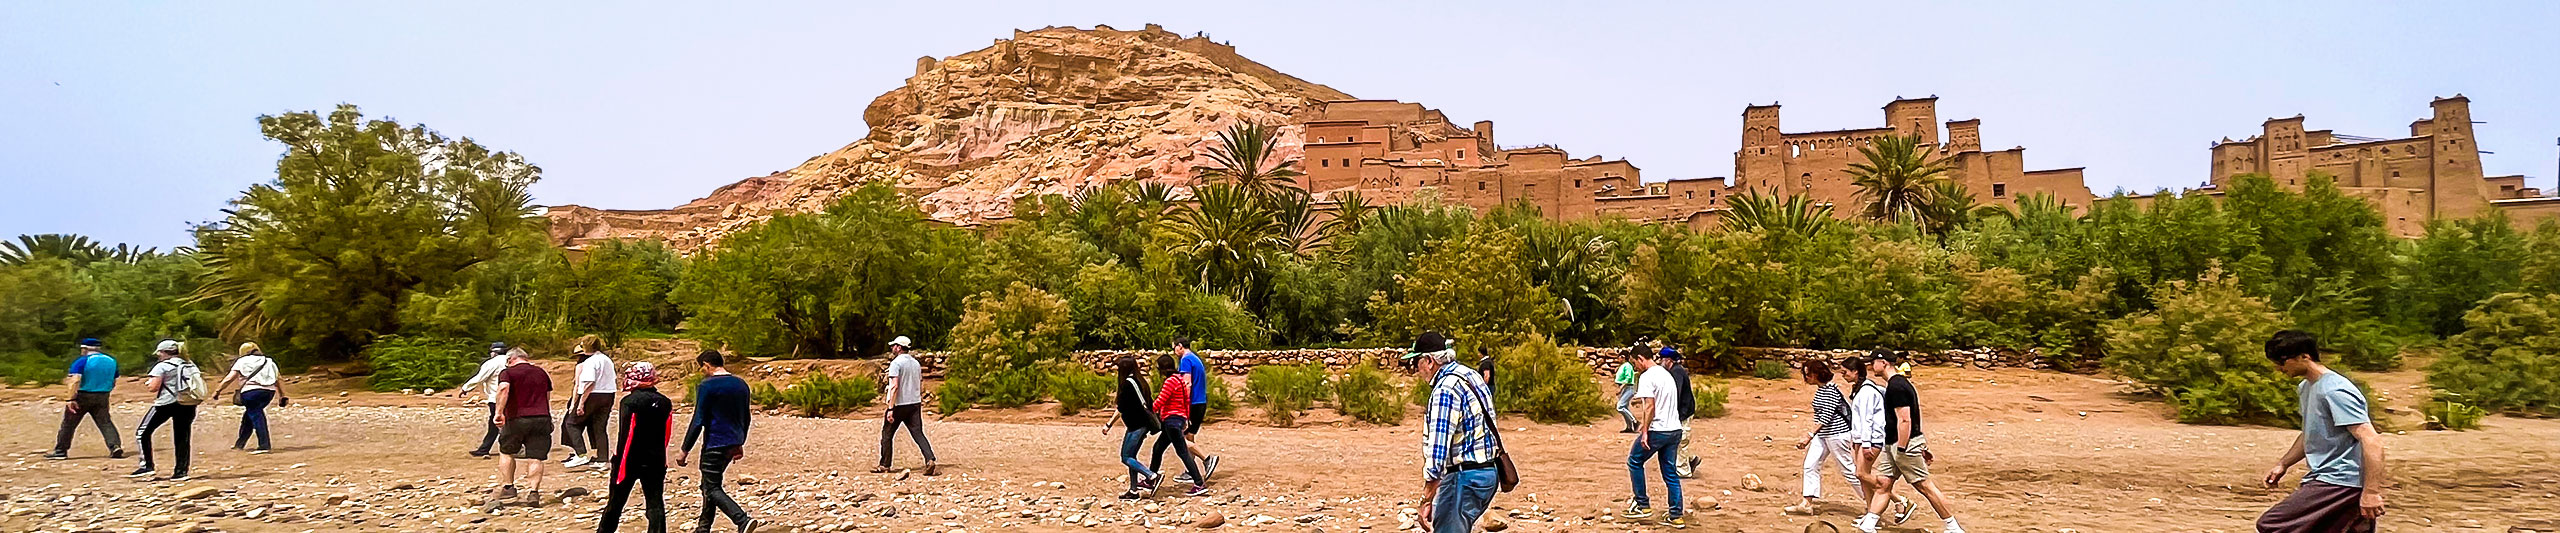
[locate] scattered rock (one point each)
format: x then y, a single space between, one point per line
198 493
1751 482
573 492
1208 521
1494 524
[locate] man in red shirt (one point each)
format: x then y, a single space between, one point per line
524 422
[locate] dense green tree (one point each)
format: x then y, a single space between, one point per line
2458 264
841 282
367 225
2203 349
1476 289
1001 349
2508 359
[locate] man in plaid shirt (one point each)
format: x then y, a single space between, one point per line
1459 474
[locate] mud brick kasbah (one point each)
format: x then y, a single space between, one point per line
1058 109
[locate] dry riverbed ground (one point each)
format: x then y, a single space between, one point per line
2017 451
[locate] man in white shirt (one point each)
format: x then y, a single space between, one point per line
256 373
1657 408
487 379
590 406
906 406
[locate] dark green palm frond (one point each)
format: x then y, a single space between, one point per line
1894 180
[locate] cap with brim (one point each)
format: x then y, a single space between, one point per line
902 342
1427 342
92 343
168 346
495 347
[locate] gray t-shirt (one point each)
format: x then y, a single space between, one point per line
2331 406
170 373
909 377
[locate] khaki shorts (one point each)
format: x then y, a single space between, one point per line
1905 462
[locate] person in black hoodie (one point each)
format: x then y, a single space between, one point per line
1132 401
648 418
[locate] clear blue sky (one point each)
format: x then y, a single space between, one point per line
127 120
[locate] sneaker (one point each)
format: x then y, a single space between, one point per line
1902 508
115 454
1801 508
180 476
1952 527
1209 468
532 498
1865 524
576 460
1149 484
1184 478
1132 494
56 456
1197 491
507 492
1636 513
482 454
1676 522
260 451
143 472
932 469
752 525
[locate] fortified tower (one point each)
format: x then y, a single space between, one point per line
2456 155
1761 164
1914 116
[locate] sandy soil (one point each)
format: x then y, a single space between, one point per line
2017 451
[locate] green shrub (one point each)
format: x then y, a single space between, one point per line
1546 383
1368 394
2204 348
2447 414
420 362
2507 359
1282 391
1001 349
1770 369
1222 400
1078 388
819 394
1711 394
950 399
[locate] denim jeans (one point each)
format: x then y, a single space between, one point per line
254 419
1129 444
1463 497
1664 445
715 499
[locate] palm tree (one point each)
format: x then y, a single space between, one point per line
1244 153
1785 215
1952 205
1894 181
1227 237
1351 211
74 248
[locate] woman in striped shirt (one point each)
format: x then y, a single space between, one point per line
1830 437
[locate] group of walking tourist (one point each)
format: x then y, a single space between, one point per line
1866 421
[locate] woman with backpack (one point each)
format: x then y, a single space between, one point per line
1132 400
178 387
256 373
1829 437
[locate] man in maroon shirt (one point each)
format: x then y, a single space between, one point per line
524 421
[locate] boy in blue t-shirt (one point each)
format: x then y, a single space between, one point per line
92 376
2342 491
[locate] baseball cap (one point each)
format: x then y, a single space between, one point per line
496 347
1427 342
903 342
1667 353
92 342
640 372
167 345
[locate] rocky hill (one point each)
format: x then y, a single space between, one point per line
1046 111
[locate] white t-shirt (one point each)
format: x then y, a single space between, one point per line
1665 392
257 372
598 369
487 378
908 375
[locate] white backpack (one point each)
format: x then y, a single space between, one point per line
191 387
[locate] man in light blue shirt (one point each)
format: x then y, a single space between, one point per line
2342 491
92 376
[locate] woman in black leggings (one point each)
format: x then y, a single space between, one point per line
1173 404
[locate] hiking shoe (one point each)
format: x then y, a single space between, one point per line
576 460
504 493
143 472
1636 513
1676 522
532 498
1902 508
56 456
1197 491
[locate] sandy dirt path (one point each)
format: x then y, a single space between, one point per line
2015 452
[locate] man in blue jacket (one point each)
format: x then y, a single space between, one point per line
720 407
